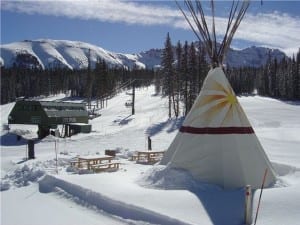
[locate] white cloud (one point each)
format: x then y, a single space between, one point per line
275 30
103 10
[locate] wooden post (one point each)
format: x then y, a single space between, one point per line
26 153
261 191
31 149
149 143
67 130
248 205
133 98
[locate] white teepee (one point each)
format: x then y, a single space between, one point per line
216 142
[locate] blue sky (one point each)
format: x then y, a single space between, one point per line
135 26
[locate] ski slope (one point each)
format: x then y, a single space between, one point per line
143 194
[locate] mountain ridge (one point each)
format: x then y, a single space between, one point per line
49 53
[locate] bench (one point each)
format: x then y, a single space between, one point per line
112 166
149 156
77 163
134 157
148 160
155 158
90 160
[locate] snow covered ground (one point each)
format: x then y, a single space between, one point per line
33 193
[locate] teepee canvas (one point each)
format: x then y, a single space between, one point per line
216 142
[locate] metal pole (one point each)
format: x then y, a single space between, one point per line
56 157
26 153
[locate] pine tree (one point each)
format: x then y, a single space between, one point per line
295 78
203 66
275 79
298 74
90 81
168 72
289 84
193 78
185 76
178 73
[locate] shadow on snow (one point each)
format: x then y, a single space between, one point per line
10 139
123 121
171 124
224 207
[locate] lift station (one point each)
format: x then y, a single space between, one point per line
49 114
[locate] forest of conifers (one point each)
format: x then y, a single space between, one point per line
180 78
184 69
99 83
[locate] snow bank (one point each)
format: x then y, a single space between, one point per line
27 206
162 177
21 177
111 206
26 172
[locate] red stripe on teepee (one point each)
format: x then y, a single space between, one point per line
217 130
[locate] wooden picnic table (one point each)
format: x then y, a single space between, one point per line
90 160
149 156
112 166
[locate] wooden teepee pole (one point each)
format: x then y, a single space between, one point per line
261 190
197 21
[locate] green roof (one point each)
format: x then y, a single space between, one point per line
63 109
48 113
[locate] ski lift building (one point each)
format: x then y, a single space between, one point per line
48 114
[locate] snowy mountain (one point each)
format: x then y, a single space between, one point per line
252 56
62 53
46 53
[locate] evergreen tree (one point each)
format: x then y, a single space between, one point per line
168 72
298 75
178 74
203 66
295 78
193 78
185 76
89 82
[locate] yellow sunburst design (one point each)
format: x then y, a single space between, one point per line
231 99
217 106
